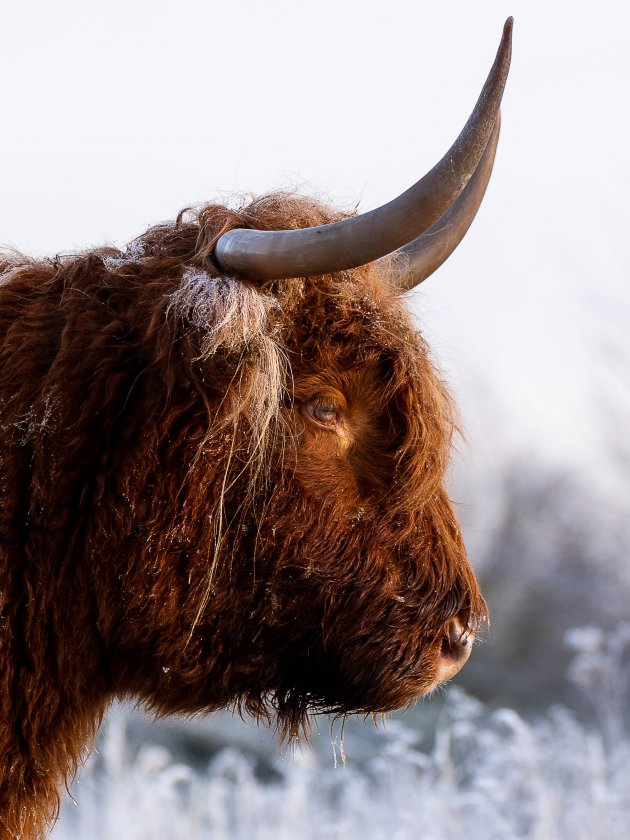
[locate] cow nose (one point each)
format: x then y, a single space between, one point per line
455 647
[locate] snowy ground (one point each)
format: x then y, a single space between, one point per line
488 773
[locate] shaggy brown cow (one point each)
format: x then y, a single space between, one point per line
221 486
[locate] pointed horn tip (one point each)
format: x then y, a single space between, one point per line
504 53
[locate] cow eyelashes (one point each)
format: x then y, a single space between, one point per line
323 411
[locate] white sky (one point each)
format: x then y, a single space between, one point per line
117 115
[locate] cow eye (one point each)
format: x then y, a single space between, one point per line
323 410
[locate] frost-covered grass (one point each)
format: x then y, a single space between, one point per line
489 774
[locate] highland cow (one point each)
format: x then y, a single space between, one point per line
222 459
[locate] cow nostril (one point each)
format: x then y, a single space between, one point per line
455 648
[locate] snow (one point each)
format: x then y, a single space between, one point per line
489 773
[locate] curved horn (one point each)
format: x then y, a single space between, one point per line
415 261
271 255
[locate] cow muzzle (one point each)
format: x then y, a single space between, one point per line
455 648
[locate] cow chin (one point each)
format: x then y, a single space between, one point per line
369 677
342 650
346 656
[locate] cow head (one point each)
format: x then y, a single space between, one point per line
320 563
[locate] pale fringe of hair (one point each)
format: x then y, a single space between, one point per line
12 264
229 314
234 319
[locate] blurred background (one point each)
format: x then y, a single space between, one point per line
117 115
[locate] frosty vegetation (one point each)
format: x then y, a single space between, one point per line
488 773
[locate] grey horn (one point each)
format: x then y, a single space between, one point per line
273 255
417 260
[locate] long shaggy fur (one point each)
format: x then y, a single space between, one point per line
172 526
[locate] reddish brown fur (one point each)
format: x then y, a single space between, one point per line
175 526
